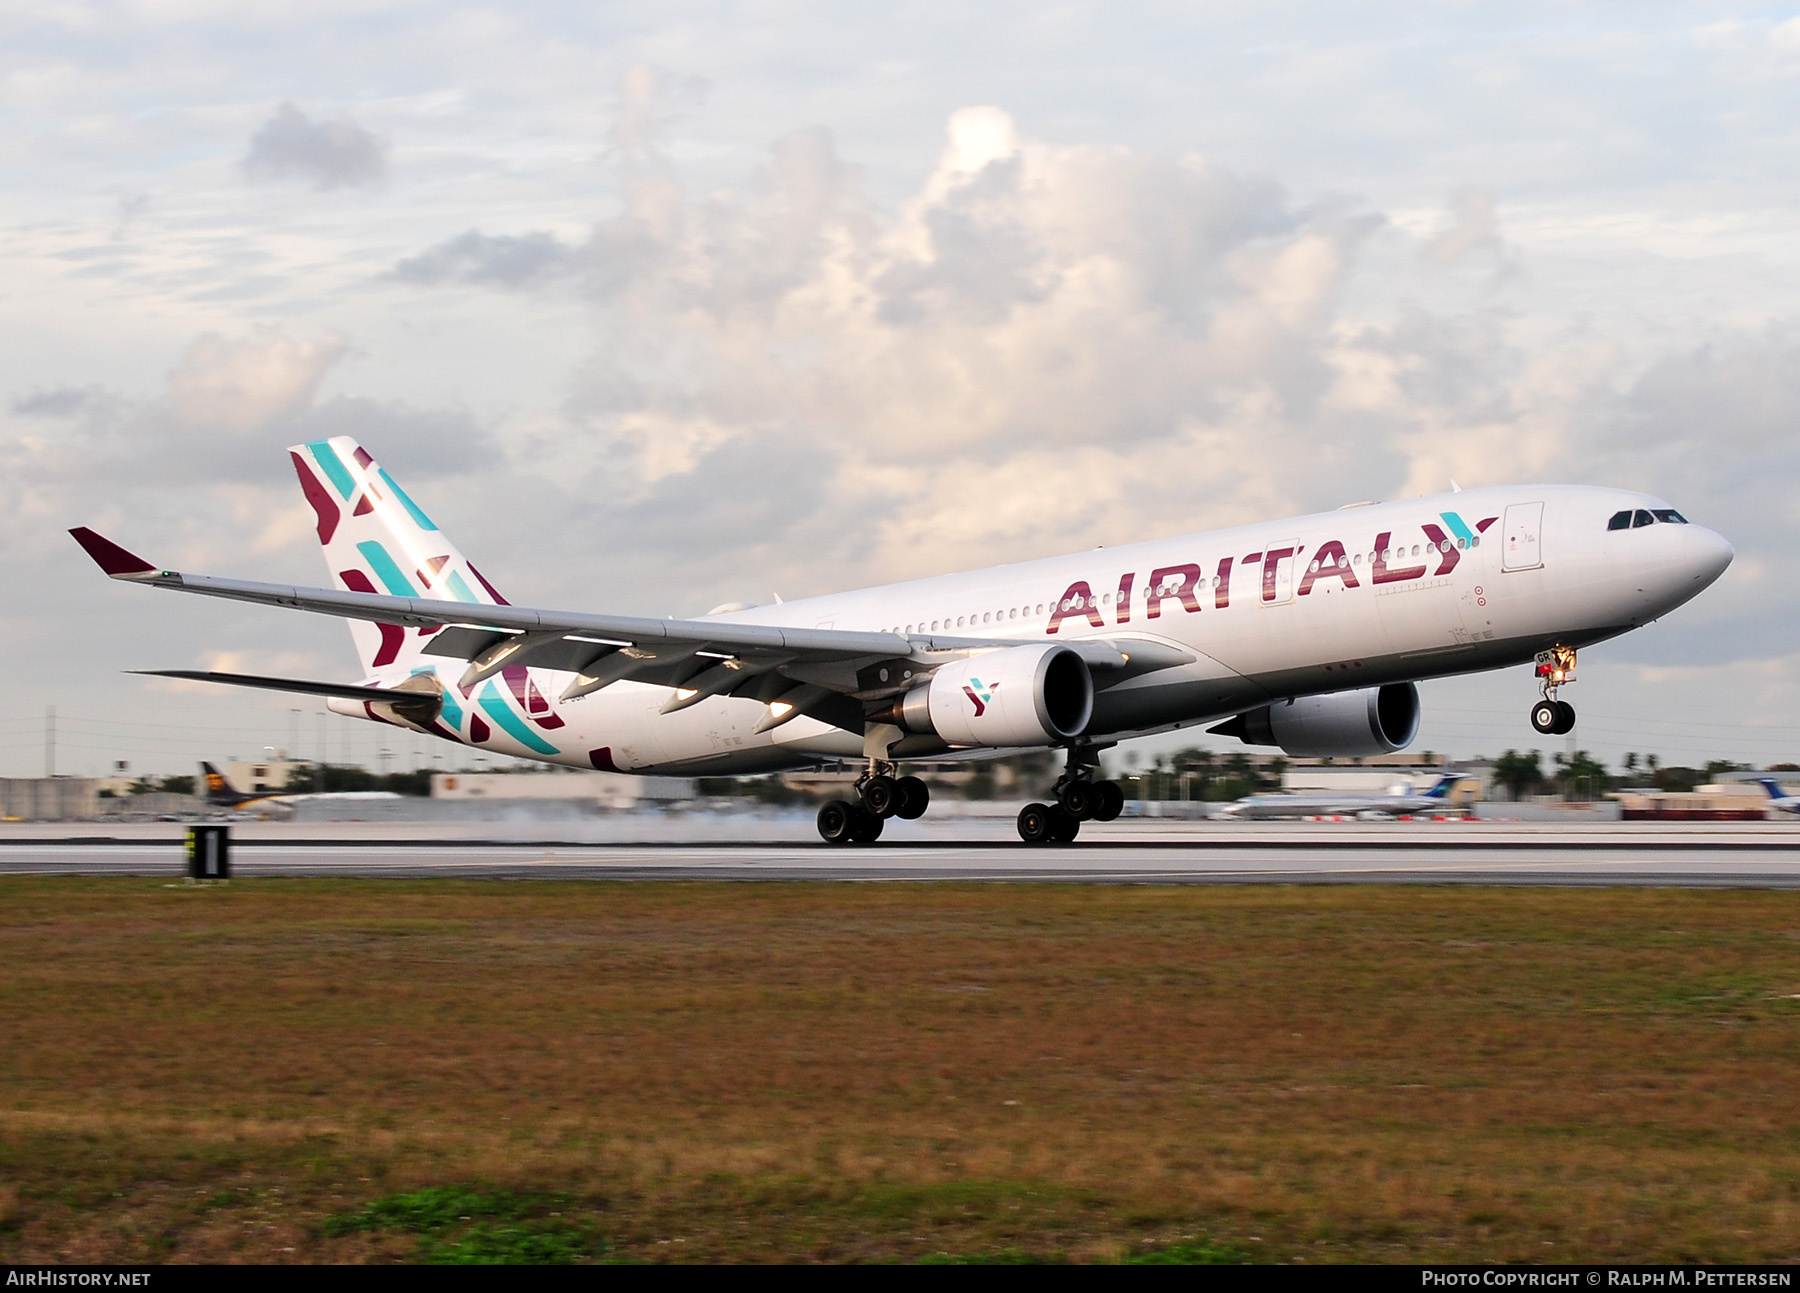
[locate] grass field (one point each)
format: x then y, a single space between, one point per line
351 1070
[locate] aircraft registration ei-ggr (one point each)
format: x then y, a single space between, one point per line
1308 634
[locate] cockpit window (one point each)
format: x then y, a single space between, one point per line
1637 520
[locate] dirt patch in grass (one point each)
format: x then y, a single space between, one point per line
895 1072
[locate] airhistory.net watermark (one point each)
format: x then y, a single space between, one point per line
77 1279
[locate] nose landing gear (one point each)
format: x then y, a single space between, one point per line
1550 716
1079 798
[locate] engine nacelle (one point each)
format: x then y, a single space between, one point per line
1030 695
1344 724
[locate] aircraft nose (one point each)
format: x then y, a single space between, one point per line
1709 554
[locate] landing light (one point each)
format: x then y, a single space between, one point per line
780 709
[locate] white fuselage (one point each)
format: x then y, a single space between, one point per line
1390 592
1277 807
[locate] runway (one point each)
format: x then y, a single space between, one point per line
1141 852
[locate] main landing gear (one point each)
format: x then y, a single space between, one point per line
1550 716
879 796
1079 798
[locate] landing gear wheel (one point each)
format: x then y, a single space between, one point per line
1064 825
1110 801
1034 824
834 821
865 826
1565 718
880 796
914 798
1546 715
1077 799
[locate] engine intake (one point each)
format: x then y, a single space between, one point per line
1344 724
1035 695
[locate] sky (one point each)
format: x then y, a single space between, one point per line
658 306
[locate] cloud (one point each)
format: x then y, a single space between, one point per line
234 386
1741 391
64 402
126 212
1474 226
329 154
419 443
649 101
1044 345
504 261
227 408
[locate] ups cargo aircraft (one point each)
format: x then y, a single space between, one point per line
1307 634
222 795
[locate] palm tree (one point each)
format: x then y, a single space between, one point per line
1519 773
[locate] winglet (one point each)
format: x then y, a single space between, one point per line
110 557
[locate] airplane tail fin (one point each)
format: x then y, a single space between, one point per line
219 790
1772 786
1444 786
377 540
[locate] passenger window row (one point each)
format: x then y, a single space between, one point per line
972 621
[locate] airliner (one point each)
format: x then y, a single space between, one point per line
1779 799
1307 634
220 793
1401 800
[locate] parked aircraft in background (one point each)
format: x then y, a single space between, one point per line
1399 801
220 793
1307 634
1778 797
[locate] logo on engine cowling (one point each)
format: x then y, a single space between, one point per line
980 696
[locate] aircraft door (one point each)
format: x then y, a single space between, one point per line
1279 565
1522 537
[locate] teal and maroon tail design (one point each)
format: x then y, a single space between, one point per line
377 540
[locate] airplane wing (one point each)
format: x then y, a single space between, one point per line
798 670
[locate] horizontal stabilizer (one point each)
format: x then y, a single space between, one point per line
347 690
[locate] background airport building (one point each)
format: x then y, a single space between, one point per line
961 789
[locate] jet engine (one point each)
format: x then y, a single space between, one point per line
1344 724
1029 695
